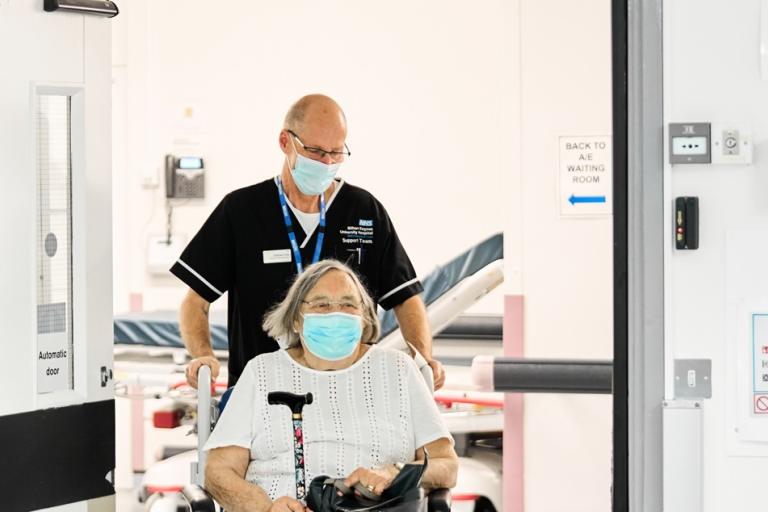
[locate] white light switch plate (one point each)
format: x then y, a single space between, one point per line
693 378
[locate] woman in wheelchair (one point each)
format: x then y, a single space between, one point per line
371 410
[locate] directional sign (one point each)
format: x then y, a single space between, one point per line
586 199
586 176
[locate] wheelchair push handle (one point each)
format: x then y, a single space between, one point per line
294 402
203 422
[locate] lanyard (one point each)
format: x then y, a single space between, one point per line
292 236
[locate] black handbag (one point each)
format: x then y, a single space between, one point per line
403 495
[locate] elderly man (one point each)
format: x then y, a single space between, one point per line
259 237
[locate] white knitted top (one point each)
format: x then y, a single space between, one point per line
377 411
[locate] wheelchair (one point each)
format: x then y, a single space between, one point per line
208 411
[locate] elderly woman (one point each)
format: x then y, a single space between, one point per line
371 407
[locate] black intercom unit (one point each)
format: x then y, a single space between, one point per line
184 177
687 223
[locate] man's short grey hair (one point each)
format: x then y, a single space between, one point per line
294 118
280 321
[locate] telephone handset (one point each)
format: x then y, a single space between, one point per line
184 177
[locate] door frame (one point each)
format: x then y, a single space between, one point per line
638 237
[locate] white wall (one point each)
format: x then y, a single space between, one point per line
712 73
565 56
473 98
427 89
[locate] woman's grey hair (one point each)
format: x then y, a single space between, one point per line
280 321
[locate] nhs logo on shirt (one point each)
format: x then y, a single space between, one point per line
360 234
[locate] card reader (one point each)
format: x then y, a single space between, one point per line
687 223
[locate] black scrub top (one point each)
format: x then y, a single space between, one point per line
243 248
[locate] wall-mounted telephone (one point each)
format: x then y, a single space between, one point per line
184 177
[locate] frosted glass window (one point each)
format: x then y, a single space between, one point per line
54 243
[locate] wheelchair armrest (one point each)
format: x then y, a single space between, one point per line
439 500
197 499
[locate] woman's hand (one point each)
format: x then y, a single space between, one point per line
287 504
376 480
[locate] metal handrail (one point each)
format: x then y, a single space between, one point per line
528 375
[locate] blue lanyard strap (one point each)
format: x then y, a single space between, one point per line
292 235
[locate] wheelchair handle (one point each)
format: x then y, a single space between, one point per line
203 422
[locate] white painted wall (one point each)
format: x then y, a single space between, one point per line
427 88
565 57
474 99
712 73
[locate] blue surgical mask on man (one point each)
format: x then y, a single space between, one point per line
332 336
312 177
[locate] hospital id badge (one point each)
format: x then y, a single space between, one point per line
277 256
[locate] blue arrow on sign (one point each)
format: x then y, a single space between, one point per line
586 199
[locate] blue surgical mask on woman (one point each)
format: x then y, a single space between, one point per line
332 336
312 177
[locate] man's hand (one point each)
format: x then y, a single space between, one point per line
287 504
376 480
194 366
414 325
438 372
193 325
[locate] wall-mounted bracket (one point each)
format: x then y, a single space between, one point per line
94 7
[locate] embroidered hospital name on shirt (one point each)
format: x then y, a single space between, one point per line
357 234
